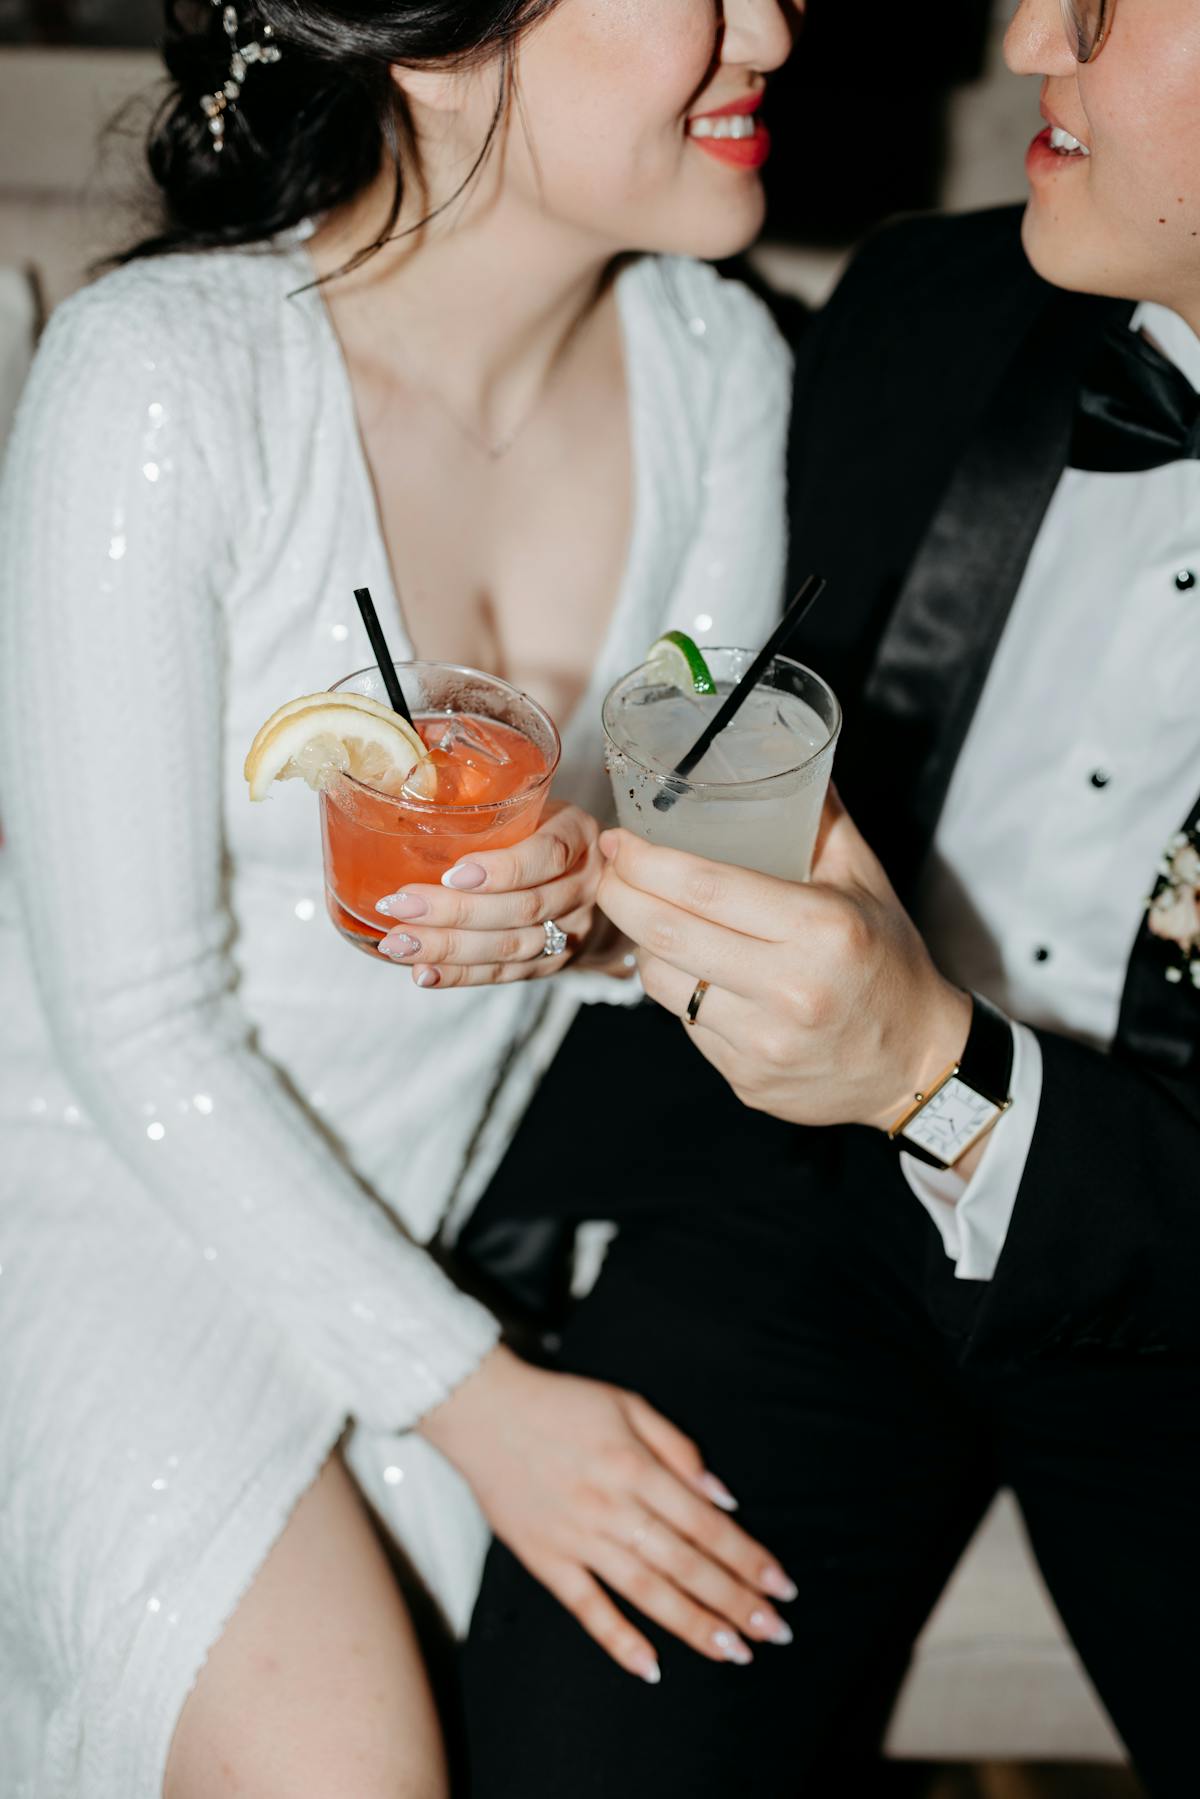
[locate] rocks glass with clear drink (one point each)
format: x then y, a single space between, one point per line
756 797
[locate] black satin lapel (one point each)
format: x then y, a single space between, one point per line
1160 1019
935 651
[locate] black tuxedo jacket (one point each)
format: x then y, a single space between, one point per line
934 399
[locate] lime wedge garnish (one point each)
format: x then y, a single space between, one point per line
677 660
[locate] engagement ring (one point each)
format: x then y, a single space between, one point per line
556 938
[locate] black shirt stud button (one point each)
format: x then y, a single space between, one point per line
1041 953
1185 579
1099 777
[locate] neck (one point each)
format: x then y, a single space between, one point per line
477 305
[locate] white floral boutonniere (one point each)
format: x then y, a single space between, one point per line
1174 906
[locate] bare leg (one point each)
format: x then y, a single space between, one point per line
316 1688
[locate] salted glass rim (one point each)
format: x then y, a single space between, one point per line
415 804
688 781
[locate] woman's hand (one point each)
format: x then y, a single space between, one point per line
823 1005
484 924
586 1483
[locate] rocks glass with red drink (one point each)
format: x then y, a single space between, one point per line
495 752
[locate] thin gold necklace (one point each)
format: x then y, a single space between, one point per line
495 449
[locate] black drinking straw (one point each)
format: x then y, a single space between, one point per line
382 654
808 594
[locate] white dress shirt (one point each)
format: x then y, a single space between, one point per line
1082 759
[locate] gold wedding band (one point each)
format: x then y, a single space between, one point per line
696 1001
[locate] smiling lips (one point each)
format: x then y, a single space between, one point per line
1065 144
1052 152
1055 143
1060 142
732 134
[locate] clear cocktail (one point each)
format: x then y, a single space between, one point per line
756 797
495 752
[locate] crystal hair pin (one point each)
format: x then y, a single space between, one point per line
241 57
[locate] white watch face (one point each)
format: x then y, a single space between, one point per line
952 1120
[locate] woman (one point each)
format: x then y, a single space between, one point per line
379 341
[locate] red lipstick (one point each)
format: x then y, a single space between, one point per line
749 152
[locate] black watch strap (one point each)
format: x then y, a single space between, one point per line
987 1060
985 1065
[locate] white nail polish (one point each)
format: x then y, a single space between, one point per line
718 1492
778 1585
399 945
732 1647
426 977
774 1630
646 1668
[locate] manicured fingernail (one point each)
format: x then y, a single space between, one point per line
465 875
732 1647
770 1628
402 905
718 1492
428 977
646 1667
777 1584
399 946
608 845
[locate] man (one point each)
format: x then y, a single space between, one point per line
995 463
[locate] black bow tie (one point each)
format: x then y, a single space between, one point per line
1135 409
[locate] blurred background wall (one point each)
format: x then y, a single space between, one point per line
861 114
107 22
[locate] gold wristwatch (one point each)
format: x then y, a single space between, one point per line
965 1102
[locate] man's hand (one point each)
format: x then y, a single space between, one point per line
824 1006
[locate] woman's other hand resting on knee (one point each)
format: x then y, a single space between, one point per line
587 1484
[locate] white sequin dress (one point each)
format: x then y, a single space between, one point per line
224 1134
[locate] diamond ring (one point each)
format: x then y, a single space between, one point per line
556 938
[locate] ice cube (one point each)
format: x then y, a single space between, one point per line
717 764
470 741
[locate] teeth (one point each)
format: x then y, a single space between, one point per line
1070 146
732 125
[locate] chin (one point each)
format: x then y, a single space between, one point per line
722 229
1066 255
1054 252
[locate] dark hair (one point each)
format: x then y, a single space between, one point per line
310 131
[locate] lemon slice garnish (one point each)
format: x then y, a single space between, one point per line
323 735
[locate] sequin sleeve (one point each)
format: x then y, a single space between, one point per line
118 533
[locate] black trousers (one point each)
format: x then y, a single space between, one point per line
782 1297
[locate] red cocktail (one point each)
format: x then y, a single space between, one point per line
495 752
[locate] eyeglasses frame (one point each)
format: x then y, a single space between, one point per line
1075 36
